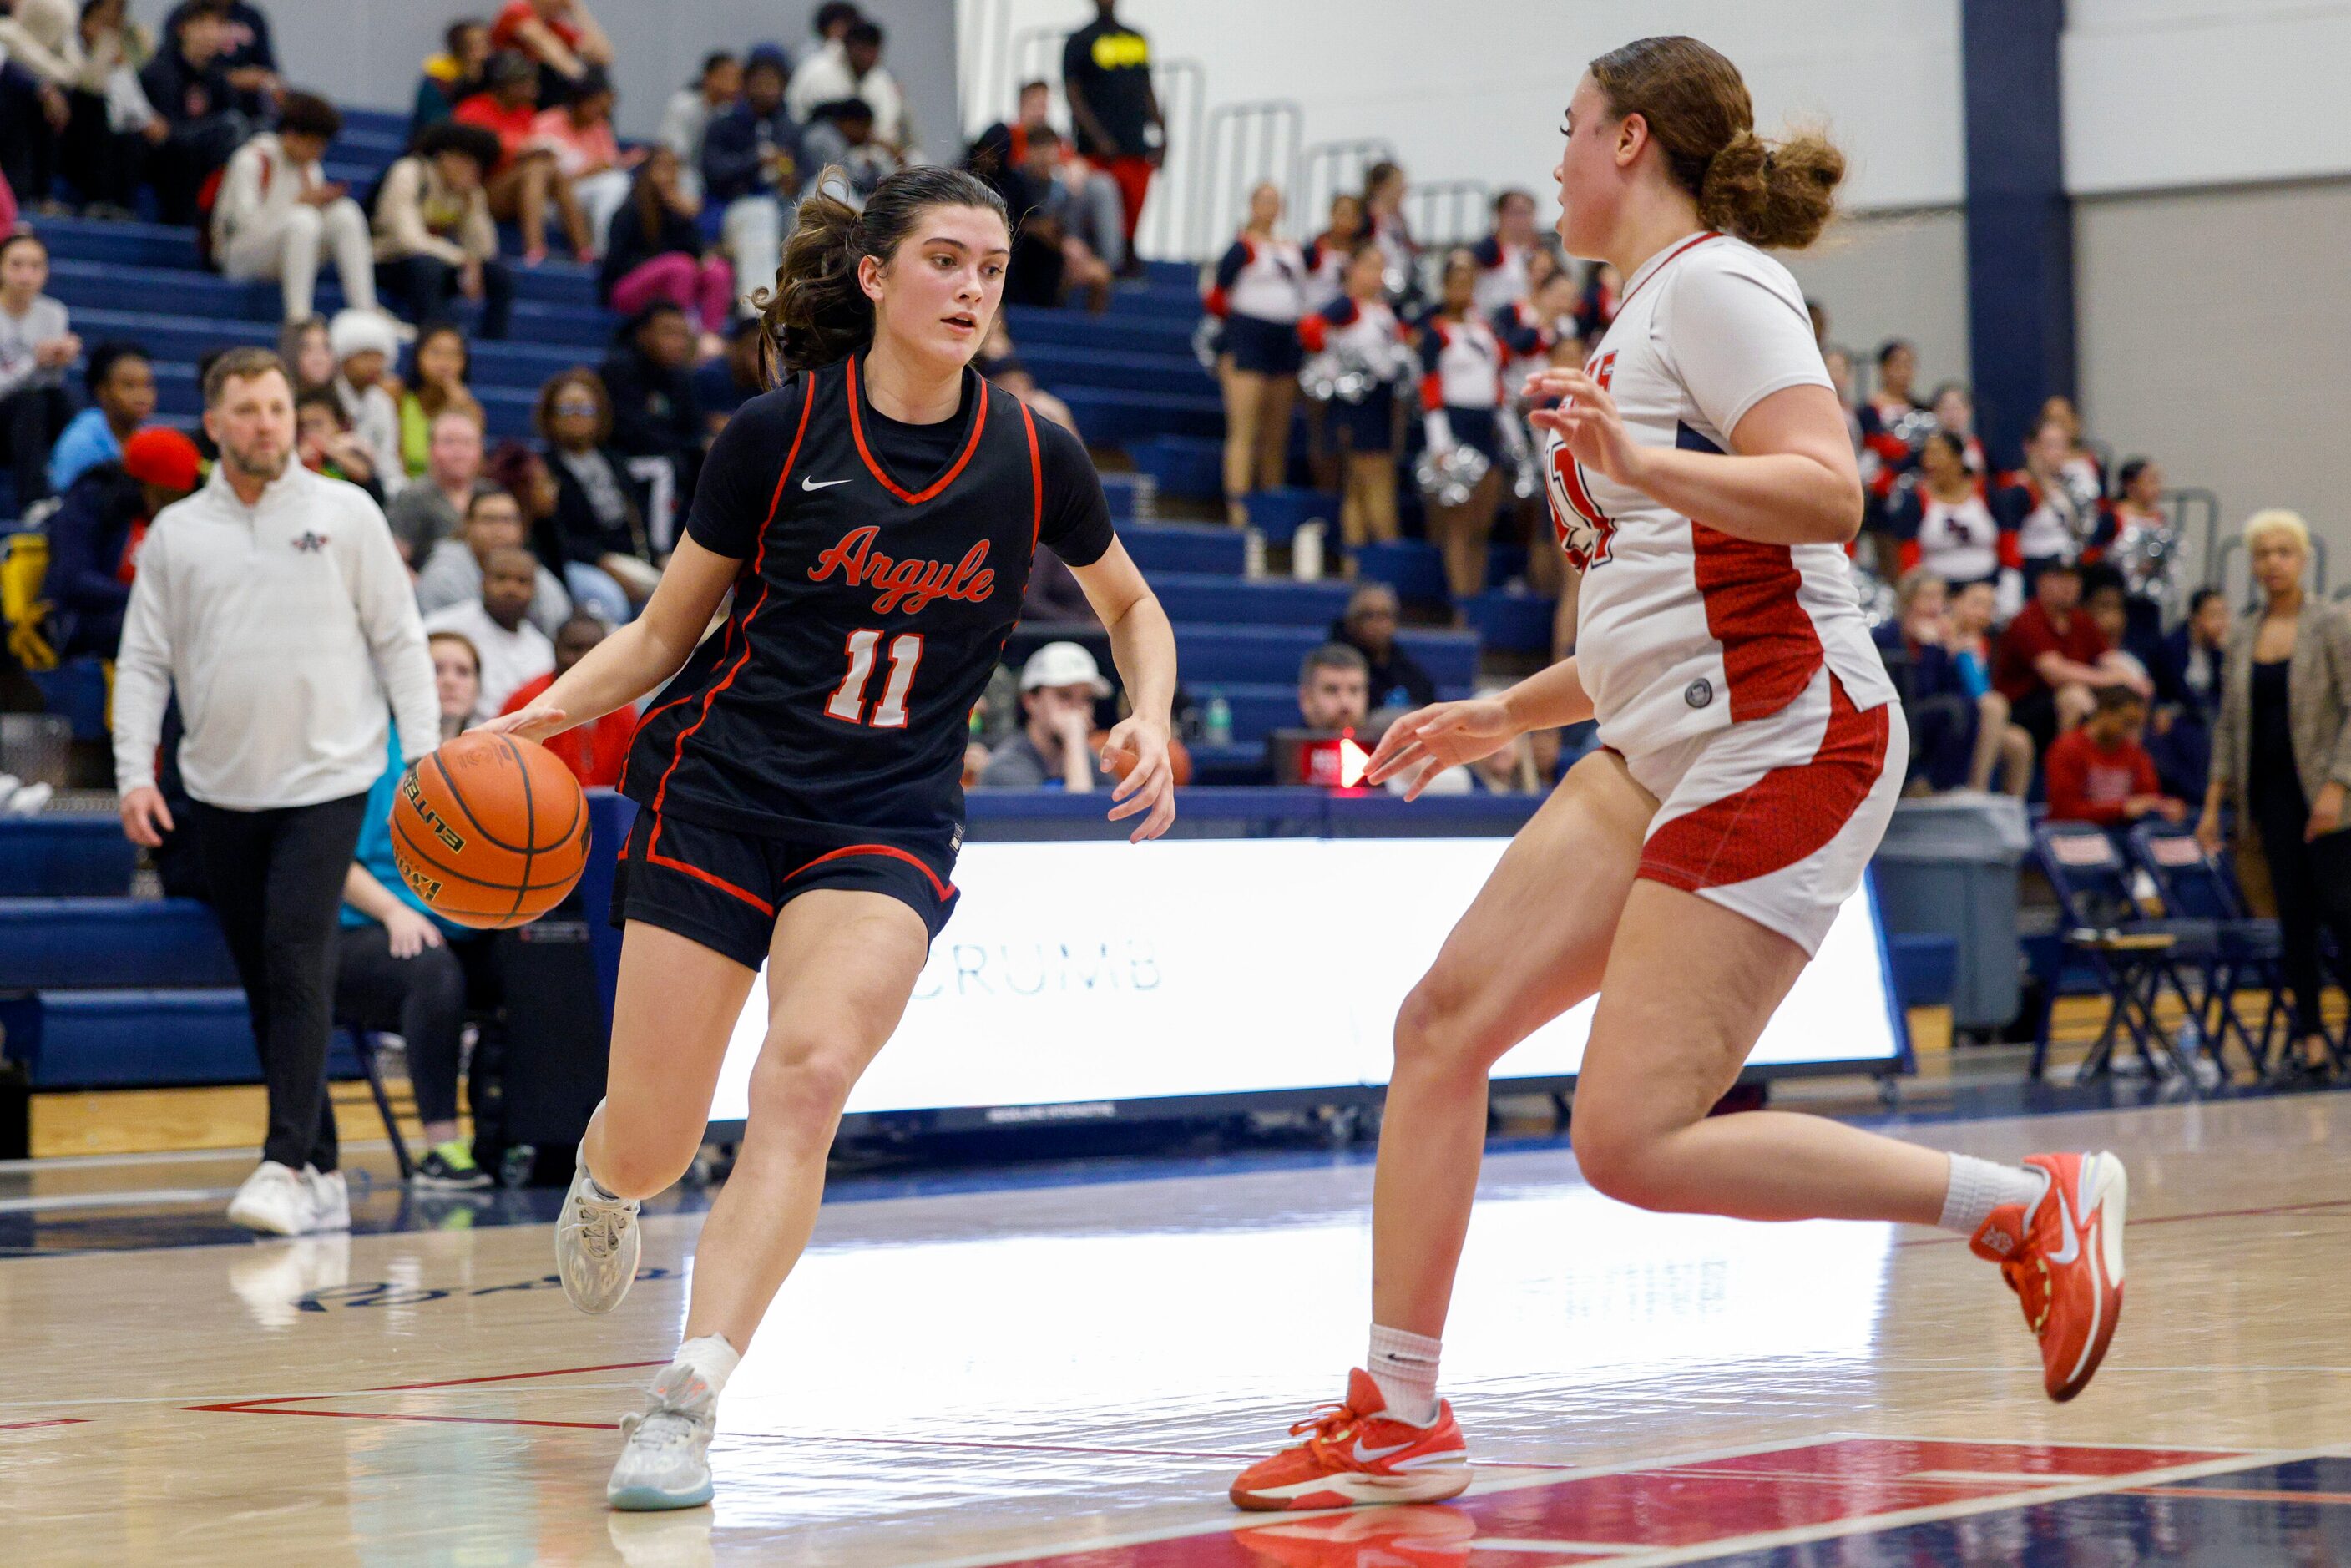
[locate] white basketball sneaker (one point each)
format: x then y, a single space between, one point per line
331 1195
275 1200
665 1462
596 1244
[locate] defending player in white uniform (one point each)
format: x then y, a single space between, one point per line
1705 484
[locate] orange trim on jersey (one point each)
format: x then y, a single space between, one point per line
1036 482
1686 245
912 498
945 890
742 656
654 857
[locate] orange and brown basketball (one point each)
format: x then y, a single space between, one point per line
491 831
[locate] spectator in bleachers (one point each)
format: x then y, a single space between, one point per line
399 967
121 384
94 536
1943 718
654 251
1055 745
726 383
2080 467
525 183
35 78
2137 641
246 54
1259 294
2044 503
37 345
276 212
2051 660
648 379
324 444
597 518
2100 773
451 76
1334 684
840 135
1501 255
498 622
1460 400
2001 744
751 166
853 68
1053 253
307 352
451 573
1384 192
1095 211
1360 326
1941 521
1392 678
1954 408
594 752
2281 756
559 38
2188 672
588 159
188 84
1001 363
1113 108
827 23
364 345
434 506
2137 509
435 240
438 367
112 127
687 117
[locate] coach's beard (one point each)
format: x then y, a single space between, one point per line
266 470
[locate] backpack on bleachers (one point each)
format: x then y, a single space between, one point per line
23 572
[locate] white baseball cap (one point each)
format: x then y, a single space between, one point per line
1062 664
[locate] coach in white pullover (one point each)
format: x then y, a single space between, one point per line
274 601
276 212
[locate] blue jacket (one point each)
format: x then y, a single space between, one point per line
87 533
731 151
86 443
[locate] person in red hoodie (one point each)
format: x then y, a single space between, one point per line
2100 773
594 752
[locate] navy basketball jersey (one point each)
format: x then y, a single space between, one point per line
884 566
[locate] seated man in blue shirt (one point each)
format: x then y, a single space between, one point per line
1055 745
121 385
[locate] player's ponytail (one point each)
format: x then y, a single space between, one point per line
818 313
1777 194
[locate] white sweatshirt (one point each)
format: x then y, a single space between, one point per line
283 625
261 186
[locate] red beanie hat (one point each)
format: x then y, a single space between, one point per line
162 456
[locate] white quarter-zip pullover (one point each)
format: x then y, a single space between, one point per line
283 625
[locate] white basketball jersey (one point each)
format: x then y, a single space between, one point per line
1682 628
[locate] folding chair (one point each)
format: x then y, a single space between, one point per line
2193 885
2132 956
367 1045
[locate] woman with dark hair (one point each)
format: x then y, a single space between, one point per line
1941 521
1685 872
437 385
1258 295
654 251
598 522
799 783
1461 398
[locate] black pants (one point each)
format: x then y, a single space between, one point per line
276 879
423 286
103 165
31 421
28 146
423 999
186 159
2312 883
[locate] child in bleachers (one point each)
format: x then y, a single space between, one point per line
121 385
277 214
2100 773
525 182
364 345
324 444
309 355
189 87
37 345
597 520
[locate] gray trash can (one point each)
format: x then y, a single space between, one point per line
1949 864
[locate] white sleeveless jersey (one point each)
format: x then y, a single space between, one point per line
1681 628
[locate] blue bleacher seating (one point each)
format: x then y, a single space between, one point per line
1189 466
1520 622
1280 512
55 855
103 944
1205 596
126 1039
1214 655
1162 548
1413 568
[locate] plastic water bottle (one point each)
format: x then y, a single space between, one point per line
1252 554
1306 551
1216 721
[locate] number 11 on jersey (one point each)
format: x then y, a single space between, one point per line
847 704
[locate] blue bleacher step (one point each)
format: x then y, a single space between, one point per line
1035 326
1188 466
1159 548
1280 512
132 1038
101 286
1131 495
1272 602
77 689
1519 622
1121 418
1218 655
103 944
1414 567
57 855
1062 366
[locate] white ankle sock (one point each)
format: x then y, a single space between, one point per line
713 1360
1404 1367
1978 1187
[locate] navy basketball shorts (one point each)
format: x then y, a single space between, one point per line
724 889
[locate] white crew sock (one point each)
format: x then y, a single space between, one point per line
713 1361
1978 1187
1404 1366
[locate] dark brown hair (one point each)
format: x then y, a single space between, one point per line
542 414
1778 195
817 314
243 365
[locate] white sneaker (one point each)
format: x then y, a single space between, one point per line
274 1199
596 1245
665 1462
331 1195
273 1279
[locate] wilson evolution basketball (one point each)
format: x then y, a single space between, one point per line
491 831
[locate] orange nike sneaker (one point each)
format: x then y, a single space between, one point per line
2063 1256
1355 1453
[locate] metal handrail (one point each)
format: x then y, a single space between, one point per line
1023 51
1183 88
1455 200
2180 502
1257 141
1329 167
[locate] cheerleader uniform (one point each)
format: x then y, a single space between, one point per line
1371 333
1502 275
1461 380
1259 294
1326 272
1527 344
1962 542
2051 524
1892 435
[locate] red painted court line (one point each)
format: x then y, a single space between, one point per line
59 1421
389 1415
503 1377
2171 1220
273 1404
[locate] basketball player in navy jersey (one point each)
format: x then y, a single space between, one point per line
799 781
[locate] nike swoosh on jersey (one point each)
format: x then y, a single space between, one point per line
811 484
